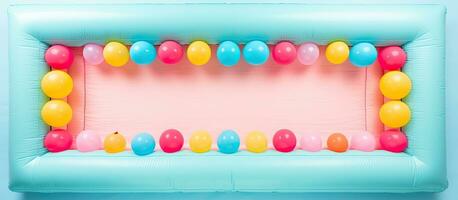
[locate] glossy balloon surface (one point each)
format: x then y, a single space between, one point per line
58 140
171 141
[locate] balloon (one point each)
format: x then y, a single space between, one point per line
116 54
228 142
308 53
114 143
93 54
87 141
256 142
56 113
284 140
171 141
58 140
337 142
395 114
394 141
363 54
57 84
363 142
395 85
200 142
284 53
199 53
142 53
143 144
392 58
228 53
311 142
59 57
337 52
256 52
170 52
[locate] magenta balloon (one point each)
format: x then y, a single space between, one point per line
363 142
93 54
88 141
311 142
308 53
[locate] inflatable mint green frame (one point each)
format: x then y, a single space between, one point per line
419 28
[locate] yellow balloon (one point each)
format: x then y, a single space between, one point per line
116 54
200 142
395 85
395 114
337 52
256 141
199 53
114 143
56 113
57 84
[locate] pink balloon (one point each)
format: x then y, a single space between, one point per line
394 141
284 53
59 57
392 58
93 54
311 142
58 140
363 142
284 140
88 141
308 53
170 52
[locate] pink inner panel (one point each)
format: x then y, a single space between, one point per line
323 98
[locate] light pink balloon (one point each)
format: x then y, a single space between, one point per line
93 54
88 141
363 142
308 53
311 142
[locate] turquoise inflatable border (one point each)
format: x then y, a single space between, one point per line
419 28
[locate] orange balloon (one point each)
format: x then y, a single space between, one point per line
337 142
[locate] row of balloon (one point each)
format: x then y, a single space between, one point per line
228 53
228 142
394 85
57 84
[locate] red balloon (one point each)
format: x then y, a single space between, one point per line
284 53
284 140
394 141
171 141
392 58
59 57
170 52
58 140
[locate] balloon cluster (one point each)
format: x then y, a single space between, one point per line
228 53
57 84
228 142
394 85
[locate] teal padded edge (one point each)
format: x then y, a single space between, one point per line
420 28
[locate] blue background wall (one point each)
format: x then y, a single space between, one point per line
452 116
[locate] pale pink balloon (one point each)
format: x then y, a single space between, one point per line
93 54
308 53
311 142
363 142
88 141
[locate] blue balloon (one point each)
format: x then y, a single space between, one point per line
256 52
228 142
228 53
363 54
142 53
143 144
